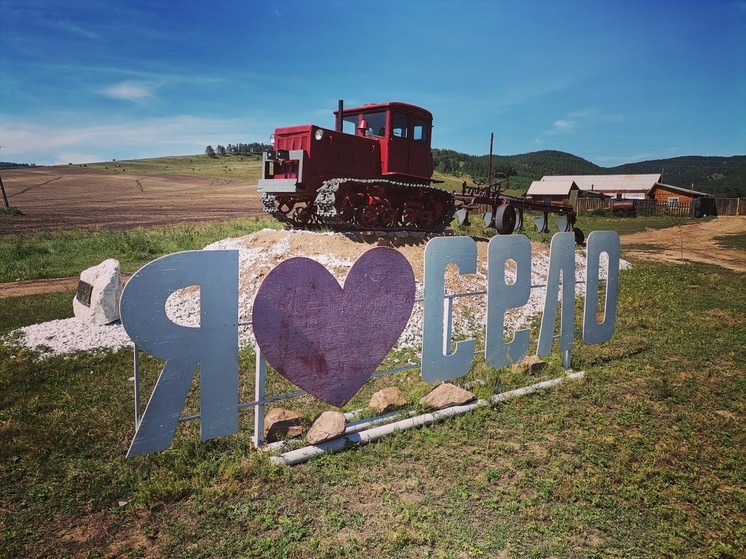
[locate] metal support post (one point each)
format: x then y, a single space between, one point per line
136 366
259 395
447 325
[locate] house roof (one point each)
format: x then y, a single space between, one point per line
679 190
551 188
610 183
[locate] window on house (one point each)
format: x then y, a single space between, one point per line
673 202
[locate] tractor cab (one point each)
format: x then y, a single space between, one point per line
403 132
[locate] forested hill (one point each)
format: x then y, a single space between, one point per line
725 175
708 174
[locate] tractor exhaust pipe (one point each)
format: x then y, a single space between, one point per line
340 110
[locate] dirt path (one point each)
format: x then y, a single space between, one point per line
40 287
692 242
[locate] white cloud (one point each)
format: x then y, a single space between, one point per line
585 119
76 29
73 157
128 91
561 127
26 142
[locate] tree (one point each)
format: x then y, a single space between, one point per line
209 152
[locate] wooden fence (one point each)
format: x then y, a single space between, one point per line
724 206
731 206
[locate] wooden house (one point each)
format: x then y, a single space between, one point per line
557 192
633 187
701 203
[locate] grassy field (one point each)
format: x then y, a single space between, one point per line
240 167
642 458
66 254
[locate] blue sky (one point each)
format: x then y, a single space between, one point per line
610 81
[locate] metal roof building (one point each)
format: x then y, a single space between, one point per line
551 188
628 186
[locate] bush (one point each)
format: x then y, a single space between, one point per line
11 211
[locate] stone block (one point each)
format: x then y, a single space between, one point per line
99 291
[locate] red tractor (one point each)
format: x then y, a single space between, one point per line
373 172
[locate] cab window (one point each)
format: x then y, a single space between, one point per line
349 124
421 131
376 124
400 125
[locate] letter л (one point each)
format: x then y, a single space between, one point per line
561 259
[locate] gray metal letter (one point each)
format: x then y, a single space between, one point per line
213 345
437 365
502 296
561 260
598 243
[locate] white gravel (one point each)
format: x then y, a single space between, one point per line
65 336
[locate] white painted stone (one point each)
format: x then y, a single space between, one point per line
106 280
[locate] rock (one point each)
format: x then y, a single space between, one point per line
99 290
329 425
388 399
530 364
447 395
282 424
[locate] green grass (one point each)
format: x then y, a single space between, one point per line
586 223
16 312
737 242
238 167
53 255
644 457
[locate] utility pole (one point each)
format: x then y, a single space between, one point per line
6 206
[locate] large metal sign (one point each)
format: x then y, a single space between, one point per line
328 339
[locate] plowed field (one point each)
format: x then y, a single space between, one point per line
73 197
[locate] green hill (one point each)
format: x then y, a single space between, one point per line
726 175
715 174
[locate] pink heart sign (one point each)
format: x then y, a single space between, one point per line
326 339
